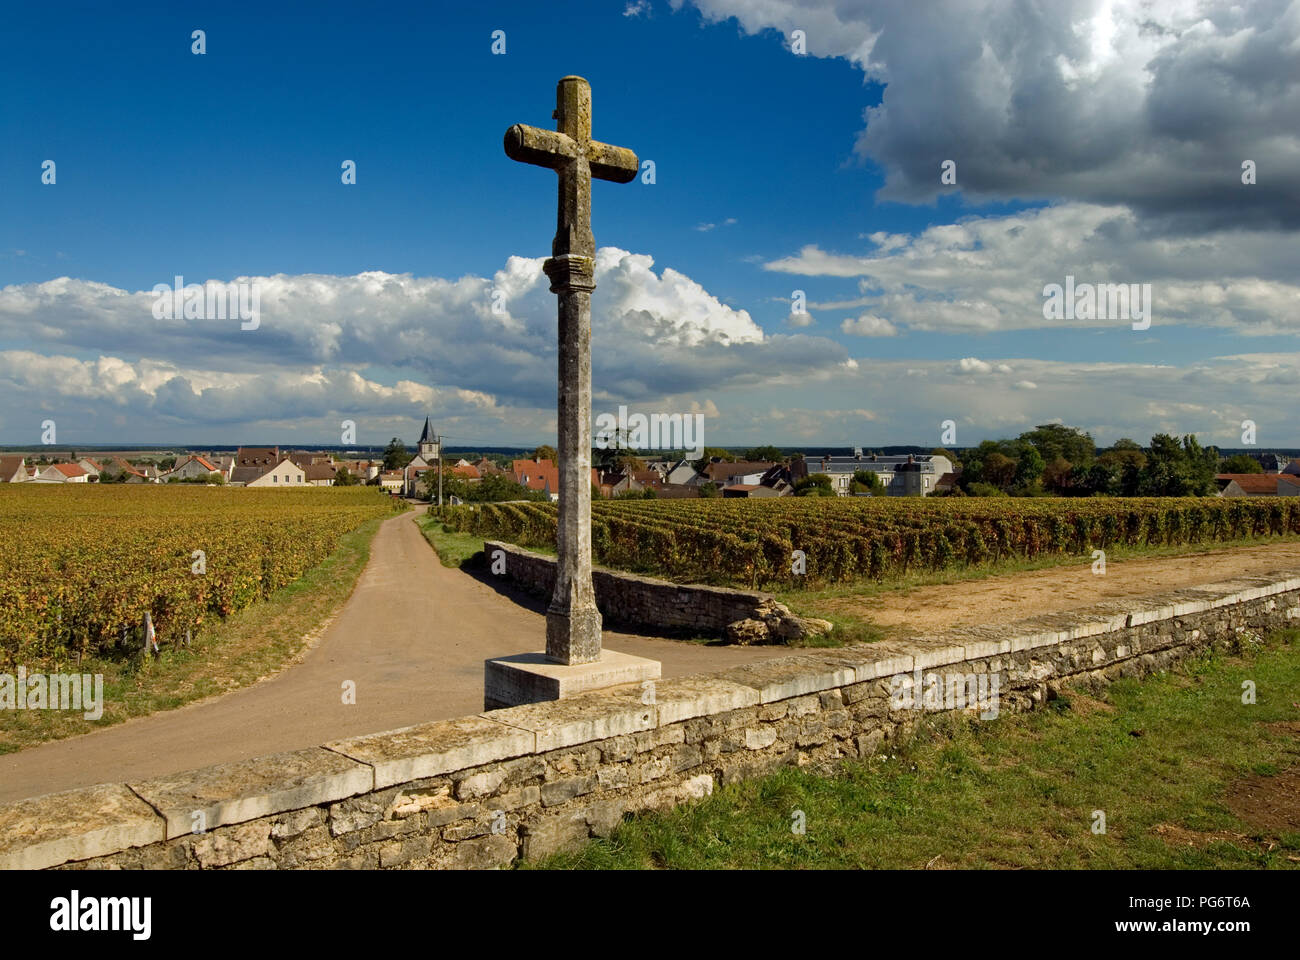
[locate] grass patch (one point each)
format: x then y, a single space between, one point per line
452 548
238 651
1168 758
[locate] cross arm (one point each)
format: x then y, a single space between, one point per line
545 148
612 163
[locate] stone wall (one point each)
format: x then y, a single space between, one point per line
741 616
484 790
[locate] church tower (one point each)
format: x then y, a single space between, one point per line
428 444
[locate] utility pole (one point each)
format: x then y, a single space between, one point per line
440 470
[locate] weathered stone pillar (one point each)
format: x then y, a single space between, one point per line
573 660
573 624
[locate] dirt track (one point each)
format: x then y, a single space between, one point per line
413 638
1057 589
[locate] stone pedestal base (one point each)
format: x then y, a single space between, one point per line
532 678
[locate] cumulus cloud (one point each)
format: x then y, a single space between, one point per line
1149 103
869 326
993 397
988 273
334 344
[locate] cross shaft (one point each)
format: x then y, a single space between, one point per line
573 624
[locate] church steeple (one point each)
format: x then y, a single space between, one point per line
428 442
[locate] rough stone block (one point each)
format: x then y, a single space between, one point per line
248 789
76 825
561 832
582 719
683 698
492 852
791 676
929 654
233 844
430 749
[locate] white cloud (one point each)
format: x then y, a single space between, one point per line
331 345
1151 103
973 365
869 326
988 273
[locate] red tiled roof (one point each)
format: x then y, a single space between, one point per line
69 469
1260 484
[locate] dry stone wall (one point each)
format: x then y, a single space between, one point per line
742 616
482 791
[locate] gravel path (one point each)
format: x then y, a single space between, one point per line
412 638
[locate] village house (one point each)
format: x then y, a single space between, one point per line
486 468
684 472
320 474
361 470
1258 484
63 473
286 473
392 480
13 469
252 464
191 468
544 476
913 475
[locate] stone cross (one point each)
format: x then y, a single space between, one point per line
572 621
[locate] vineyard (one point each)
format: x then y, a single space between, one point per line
751 543
82 564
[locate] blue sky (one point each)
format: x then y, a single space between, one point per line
1083 145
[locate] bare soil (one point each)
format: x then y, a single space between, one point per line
1015 596
1269 804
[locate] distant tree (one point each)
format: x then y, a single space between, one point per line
1178 470
1058 475
710 453
1118 456
628 462
343 477
395 455
985 490
1202 465
493 488
1029 468
814 485
998 470
709 489
1056 441
867 481
1241 463
546 452
763 454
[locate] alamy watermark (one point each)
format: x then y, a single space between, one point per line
657 431
53 691
952 691
239 300
1098 301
